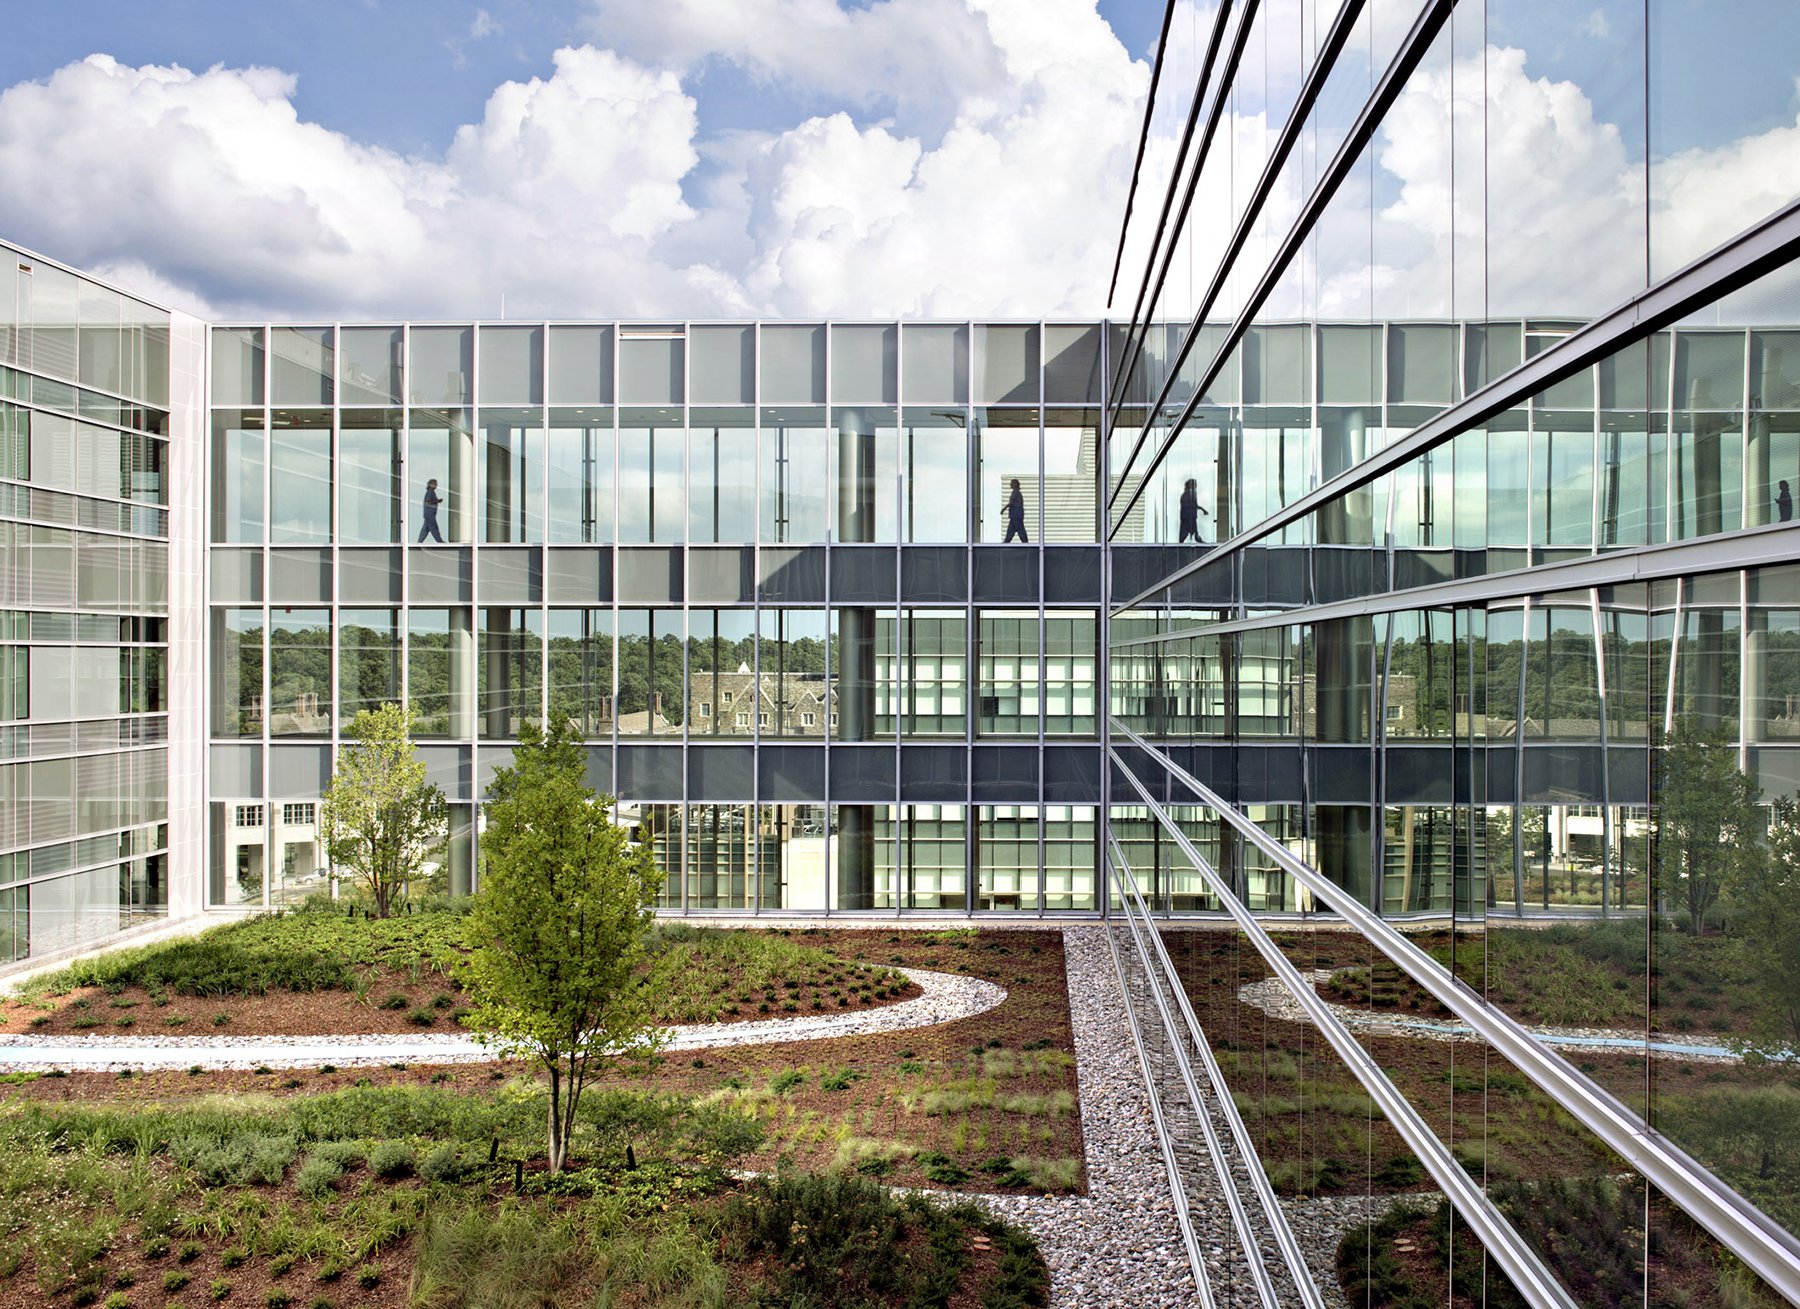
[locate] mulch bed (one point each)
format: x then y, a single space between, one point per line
394 1004
1028 964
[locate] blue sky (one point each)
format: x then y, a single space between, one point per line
399 73
723 158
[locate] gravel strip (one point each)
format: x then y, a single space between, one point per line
946 997
1118 1244
1274 999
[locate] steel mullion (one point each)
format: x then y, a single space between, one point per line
1240 1135
1749 255
1521 1264
1323 65
1771 1252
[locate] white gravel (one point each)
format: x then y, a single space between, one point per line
946 997
1119 1243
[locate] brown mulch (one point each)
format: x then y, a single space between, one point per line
1029 964
134 1011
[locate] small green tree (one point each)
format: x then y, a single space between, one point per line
559 925
381 819
1767 892
1706 820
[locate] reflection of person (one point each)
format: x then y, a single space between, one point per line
1784 504
430 526
1190 514
1015 515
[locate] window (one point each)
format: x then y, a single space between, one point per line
743 720
762 720
706 708
1394 711
806 720
249 815
297 815
726 698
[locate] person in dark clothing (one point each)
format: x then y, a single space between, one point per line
1015 515
430 526
1784 504
1190 514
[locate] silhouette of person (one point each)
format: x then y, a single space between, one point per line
430 525
1190 514
1784 504
1015 515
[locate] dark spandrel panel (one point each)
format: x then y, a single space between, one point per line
650 369
237 576
650 576
862 774
864 363
721 774
1005 775
934 575
723 368
299 576
440 575
447 767
600 769
299 770
1502 777
721 576
1776 770
1347 572
1071 576
1137 568
1422 568
793 365
236 770
1006 575
578 576
487 763
1420 774
862 575
1071 363
369 576
1342 774
650 772
791 576
791 773
1071 775
512 365
581 365
937 363
1268 774
1564 774
934 773
1006 364
512 576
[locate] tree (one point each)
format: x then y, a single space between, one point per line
1767 892
1707 823
381 819
559 926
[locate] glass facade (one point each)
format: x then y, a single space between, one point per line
84 606
1449 521
763 566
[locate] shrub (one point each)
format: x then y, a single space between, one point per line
317 1175
174 1280
786 1080
391 1159
368 1277
394 1001
940 1168
235 1159
220 1288
443 1164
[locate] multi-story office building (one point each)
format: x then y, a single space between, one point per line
763 566
1427 501
1489 441
98 392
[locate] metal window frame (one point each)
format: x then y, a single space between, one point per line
1768 1250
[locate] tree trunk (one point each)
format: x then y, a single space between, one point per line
558 1143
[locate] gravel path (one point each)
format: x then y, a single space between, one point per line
946 997
1118 1244
1273 998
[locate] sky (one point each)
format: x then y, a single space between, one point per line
365 159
